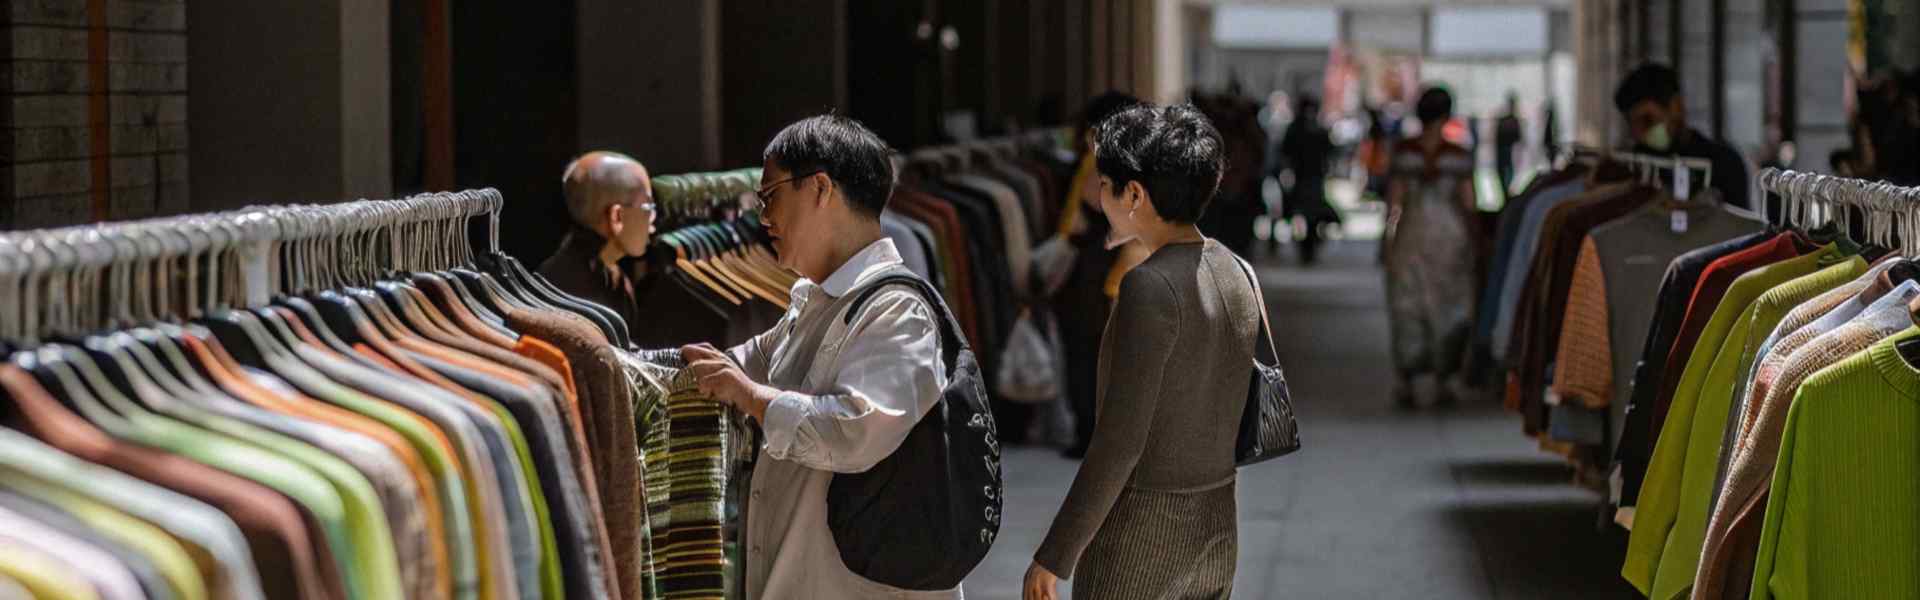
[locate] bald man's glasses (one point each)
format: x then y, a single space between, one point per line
764 195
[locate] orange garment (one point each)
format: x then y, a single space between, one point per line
1585 372
304 407
547 354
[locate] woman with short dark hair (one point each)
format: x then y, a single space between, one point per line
1429 253
1151 512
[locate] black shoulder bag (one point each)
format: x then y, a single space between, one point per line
1267 427
926 515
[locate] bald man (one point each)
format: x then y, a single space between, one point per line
610 199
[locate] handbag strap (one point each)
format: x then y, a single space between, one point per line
952 342
1260 302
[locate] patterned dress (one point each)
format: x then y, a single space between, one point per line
1430 264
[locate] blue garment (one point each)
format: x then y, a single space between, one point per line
1504 235
903 238
1526 243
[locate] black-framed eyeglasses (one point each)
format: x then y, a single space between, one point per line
765 194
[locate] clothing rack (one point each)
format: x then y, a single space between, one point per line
91 277
696 195
1891 212
959 156
1648 164
280 329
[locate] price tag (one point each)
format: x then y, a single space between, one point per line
1679 221
1682 182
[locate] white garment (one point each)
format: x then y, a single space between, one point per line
847 402
111 580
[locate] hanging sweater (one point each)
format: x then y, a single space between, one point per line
1681 559
1661 499
1736 517
1608 307
1842 522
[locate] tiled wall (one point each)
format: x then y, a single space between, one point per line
56 171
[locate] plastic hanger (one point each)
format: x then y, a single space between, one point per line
681 262
726 258
455 314
706 248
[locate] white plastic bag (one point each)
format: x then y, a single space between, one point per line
1029 370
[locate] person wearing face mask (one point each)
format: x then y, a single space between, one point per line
1151 511
610 201
1656 112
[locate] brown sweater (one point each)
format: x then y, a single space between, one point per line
1174 368
607 409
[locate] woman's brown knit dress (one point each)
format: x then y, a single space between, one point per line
1151 513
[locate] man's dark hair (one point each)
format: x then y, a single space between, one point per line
1650 81
1103 106
1173 151
850 154
1434 105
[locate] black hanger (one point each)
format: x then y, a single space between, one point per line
345 317
165 339
447 291
169 375
50 366
608 321
169 357
388 325
484 289
98 359
616 327
246 344
310 316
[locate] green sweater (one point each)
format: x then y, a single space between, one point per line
1662 497
1844 513
1680 561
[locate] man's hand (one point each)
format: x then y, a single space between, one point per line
1041 584
723 381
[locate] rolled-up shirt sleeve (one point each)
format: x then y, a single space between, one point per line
887 376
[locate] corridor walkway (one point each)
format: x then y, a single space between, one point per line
1381 503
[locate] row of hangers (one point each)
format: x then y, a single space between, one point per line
1649 168
394 265
716 241
1876 213
934 162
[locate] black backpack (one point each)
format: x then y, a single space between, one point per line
925 516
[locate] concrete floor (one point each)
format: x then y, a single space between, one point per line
1381 503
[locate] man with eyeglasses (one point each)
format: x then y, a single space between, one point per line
830 395
610 200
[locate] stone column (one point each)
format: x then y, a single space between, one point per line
290 101
1748 49
1696 62
655 95
780 61
1820 79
